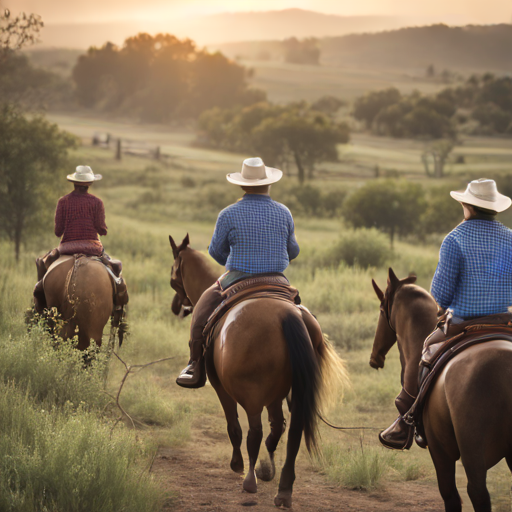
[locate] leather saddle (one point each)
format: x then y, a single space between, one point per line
446 342
265 287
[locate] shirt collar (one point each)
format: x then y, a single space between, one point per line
257 197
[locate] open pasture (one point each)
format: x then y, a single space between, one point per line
146 201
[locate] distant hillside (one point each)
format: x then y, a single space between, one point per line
472 47
222 28
479 48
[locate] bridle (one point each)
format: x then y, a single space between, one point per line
177 284
385 309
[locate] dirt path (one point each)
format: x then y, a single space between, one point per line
199 479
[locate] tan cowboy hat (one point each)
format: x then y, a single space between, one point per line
84 174
484 194
255 173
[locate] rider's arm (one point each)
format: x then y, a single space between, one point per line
219 246
59 219
446 278
99 219
293 246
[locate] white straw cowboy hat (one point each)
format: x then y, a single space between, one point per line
84 174
484 194
255 173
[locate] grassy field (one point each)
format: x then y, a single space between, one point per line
146 201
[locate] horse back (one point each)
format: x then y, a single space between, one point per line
469 410
250 352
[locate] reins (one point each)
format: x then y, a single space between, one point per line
347 428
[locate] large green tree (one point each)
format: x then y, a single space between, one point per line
32 154
392 206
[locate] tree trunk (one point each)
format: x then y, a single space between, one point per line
299 167
17 244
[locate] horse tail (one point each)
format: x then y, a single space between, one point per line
334 375
306 378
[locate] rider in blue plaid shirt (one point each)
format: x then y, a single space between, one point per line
473 279
254 236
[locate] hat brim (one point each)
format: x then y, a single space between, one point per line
501 204
74 179
273 176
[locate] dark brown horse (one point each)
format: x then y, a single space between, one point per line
261 351
468 412
81 291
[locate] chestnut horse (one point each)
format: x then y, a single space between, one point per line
81 291
468 412
262 350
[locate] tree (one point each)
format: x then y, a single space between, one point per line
301 52
392 206
442 213
308 137
17 32
367 107
437 154
32 153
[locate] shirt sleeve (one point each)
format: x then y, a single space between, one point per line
59 218
99 219
219 246
293 246
446 277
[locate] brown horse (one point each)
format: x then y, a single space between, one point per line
262 350
81 291
468 412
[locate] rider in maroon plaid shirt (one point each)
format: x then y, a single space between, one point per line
79 219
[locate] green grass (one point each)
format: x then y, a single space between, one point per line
145 202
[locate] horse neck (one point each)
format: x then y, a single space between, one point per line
197 273
414 317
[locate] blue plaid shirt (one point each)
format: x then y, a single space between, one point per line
474 274
255 235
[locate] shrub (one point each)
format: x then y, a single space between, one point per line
361 247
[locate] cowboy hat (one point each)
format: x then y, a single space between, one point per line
483 193
84 174
255 173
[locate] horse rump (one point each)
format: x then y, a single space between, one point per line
306 377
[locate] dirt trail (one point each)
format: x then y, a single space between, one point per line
199 478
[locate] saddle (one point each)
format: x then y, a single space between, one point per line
446 342
264 287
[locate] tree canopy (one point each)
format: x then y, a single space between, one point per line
160 78
32 153
288 135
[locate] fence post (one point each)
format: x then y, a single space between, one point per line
157 153
118 150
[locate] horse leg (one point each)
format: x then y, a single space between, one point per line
477 488
234 428
277 428
254 437
284 495
445 470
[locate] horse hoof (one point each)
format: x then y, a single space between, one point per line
266 471
250 484
283 500
237 466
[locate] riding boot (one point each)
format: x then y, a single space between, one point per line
194 375
399 435
39 298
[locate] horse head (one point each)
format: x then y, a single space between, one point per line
181 305
385 336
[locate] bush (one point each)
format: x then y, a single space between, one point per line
359 247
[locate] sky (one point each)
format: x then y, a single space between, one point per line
86 11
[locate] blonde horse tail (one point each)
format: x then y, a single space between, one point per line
334 376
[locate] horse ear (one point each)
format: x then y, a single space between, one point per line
378 291
409 280
174 247
392 279
186 241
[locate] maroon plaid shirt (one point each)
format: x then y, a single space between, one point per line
80 217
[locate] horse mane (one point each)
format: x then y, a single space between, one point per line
202 263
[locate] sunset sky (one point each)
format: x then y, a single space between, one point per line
66 11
